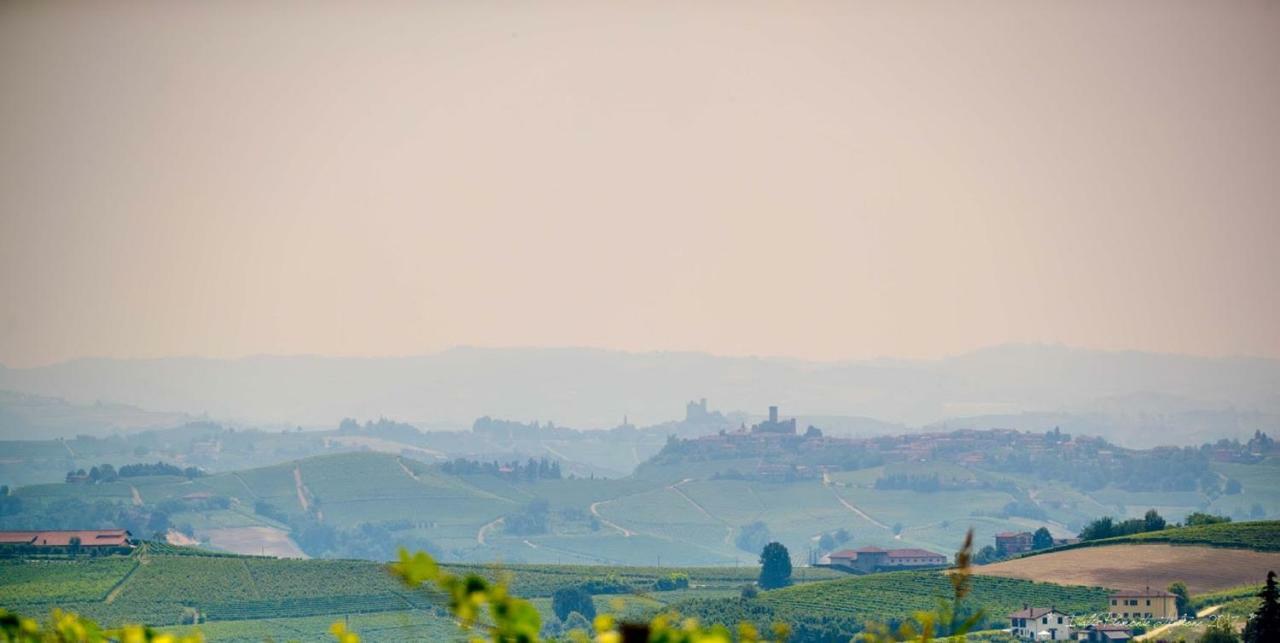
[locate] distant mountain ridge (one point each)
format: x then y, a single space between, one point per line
597 388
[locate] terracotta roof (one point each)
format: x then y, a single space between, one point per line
1012 534
88 537
913 553
1141 593
1034 612
869 550
844 553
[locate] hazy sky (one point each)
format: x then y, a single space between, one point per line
825 180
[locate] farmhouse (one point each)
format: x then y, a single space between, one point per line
90 539
1013 542
1040 623
870 559
1144 603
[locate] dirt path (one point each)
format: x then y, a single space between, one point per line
115 591
703 510
407 471
480 535
609 523
728 536
860 512
301 488
68 448
554 452
137 497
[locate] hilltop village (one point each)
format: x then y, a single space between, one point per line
775 449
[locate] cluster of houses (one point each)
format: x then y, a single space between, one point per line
871 559
1049 624
64 541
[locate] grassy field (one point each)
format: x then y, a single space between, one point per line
1133 566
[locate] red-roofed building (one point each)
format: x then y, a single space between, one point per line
915 558
870 559
84 538
1013 542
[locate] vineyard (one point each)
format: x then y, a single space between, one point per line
166 585
842 608
542 580
1259 536
1262 535
168 589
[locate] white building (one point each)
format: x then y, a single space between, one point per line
1040 624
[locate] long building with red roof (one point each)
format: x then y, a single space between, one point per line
87 538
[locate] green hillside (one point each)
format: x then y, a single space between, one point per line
365 504
253 597
839 609
1260 535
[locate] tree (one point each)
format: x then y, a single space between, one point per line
826 542
1201 518
74 546
1100 528
1264 625
567 600
986 555
775 566
1153 521
1179 589
1042 539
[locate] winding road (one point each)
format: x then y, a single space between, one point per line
484 531
606 522
860 512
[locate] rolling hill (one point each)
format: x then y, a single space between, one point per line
1123 396
364 504
1207 558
